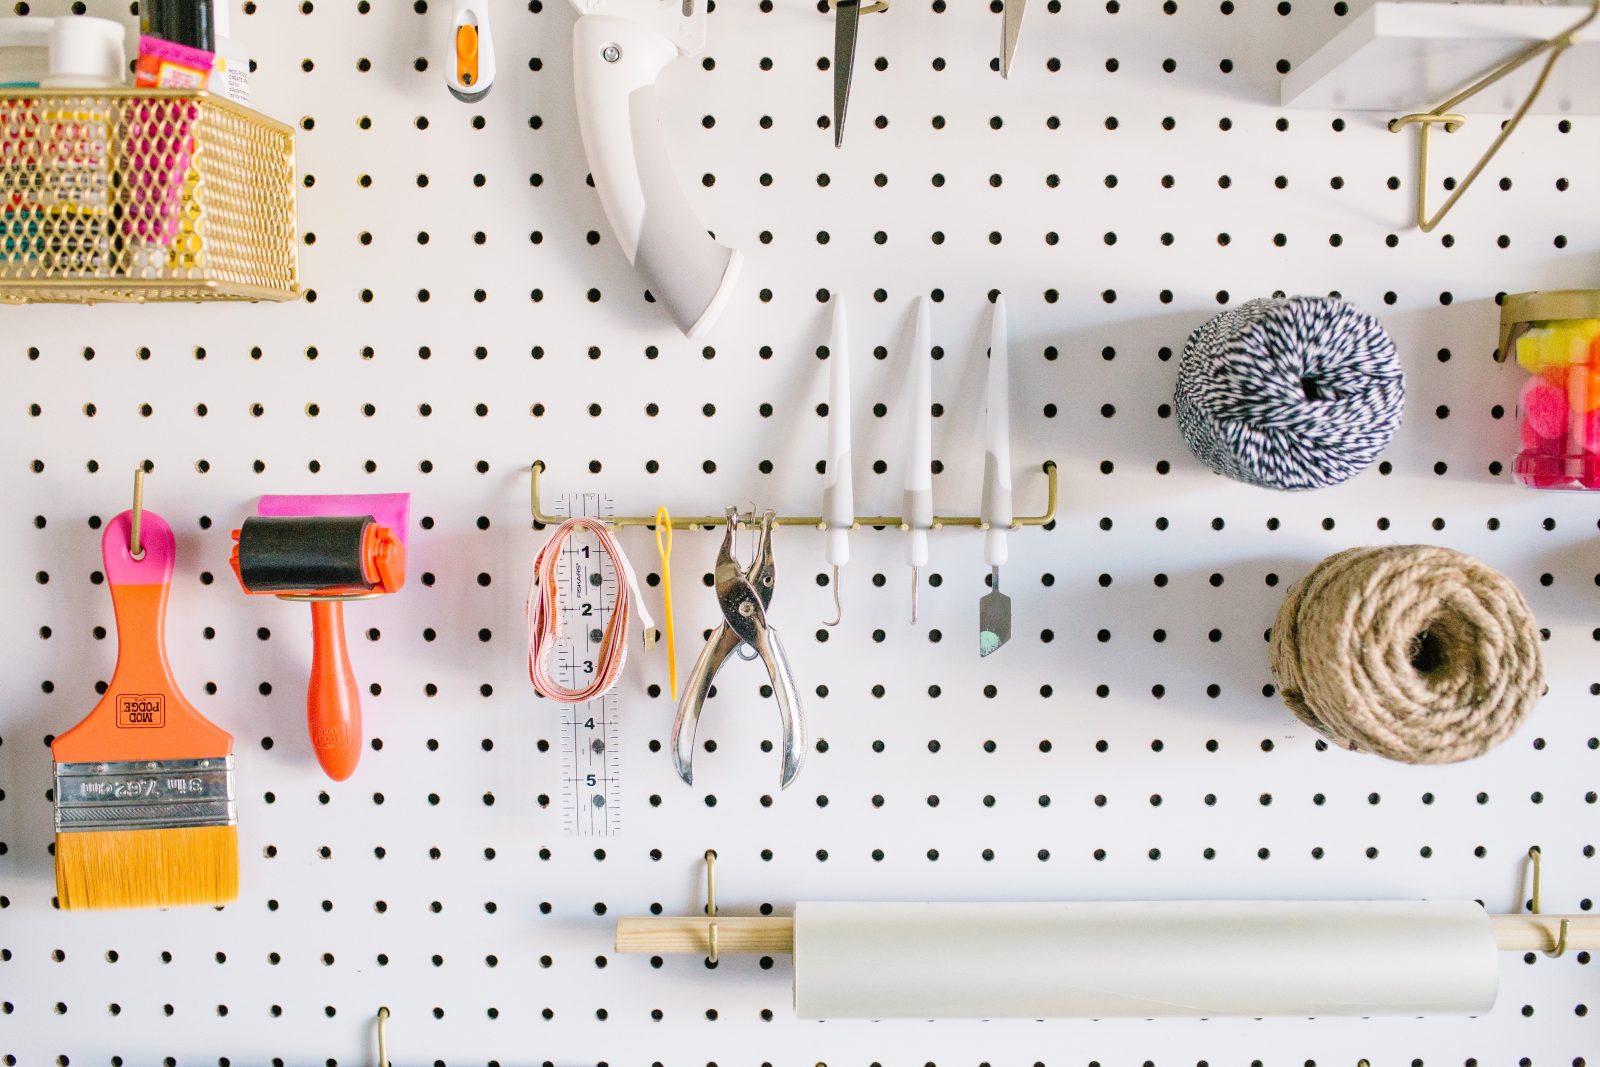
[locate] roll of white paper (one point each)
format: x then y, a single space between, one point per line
1191 960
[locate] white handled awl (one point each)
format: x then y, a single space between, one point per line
994 610
469 62
919 467
619 47
838 491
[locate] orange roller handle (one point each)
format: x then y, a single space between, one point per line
333 703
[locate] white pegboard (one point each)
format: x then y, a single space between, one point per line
1133 176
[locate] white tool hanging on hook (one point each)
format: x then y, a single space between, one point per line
994 610
838 491
469 55
918 505
619 48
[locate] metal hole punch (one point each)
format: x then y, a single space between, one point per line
743 594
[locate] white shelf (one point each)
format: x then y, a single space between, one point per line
1410 56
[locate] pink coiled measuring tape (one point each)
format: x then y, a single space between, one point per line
544 615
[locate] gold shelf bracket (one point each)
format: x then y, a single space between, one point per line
1445 115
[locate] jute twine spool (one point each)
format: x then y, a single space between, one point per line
1415 653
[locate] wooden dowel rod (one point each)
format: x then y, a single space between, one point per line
1538 933
679 935
774 935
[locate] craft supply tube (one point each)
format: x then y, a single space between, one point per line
1146 960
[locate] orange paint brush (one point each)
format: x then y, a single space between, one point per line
145 814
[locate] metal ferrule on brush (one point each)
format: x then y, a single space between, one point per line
145 794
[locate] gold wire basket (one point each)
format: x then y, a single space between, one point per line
143 195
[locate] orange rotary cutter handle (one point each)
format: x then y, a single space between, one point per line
469 64
142 715
325 561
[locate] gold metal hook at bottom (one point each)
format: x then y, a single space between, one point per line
383 1037
1561 941
1536 856
136 526
711 902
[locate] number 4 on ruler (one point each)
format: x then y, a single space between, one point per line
591 733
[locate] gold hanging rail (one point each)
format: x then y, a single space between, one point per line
709 522
1446 115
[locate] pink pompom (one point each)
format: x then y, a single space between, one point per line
1544 408
1530 437
1590 479
1591 431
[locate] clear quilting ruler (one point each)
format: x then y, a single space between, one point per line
591 733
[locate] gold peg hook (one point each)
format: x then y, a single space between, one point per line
136 527
711 902
1536 856
383 1037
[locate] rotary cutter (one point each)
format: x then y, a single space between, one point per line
326 550
469 66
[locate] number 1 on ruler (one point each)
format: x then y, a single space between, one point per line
591 733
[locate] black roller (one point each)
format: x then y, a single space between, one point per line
303 555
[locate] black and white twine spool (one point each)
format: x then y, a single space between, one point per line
1296 392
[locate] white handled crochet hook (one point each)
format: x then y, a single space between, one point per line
919 468
469 57
994 610
838 492
618 49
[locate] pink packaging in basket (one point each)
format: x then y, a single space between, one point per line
160 142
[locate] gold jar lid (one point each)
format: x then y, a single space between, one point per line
1518 310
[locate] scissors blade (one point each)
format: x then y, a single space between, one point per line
847 19
1013 30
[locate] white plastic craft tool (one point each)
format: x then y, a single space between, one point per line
919 468
994 610
619 47
838 492
469 53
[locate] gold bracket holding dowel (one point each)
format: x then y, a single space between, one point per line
716 522
1445 115
711 904
712 935
1564 932
383 1037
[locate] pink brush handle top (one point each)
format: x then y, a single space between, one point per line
155 536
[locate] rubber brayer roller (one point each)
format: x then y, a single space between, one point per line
325 551
307 555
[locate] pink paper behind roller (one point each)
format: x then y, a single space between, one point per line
387 509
